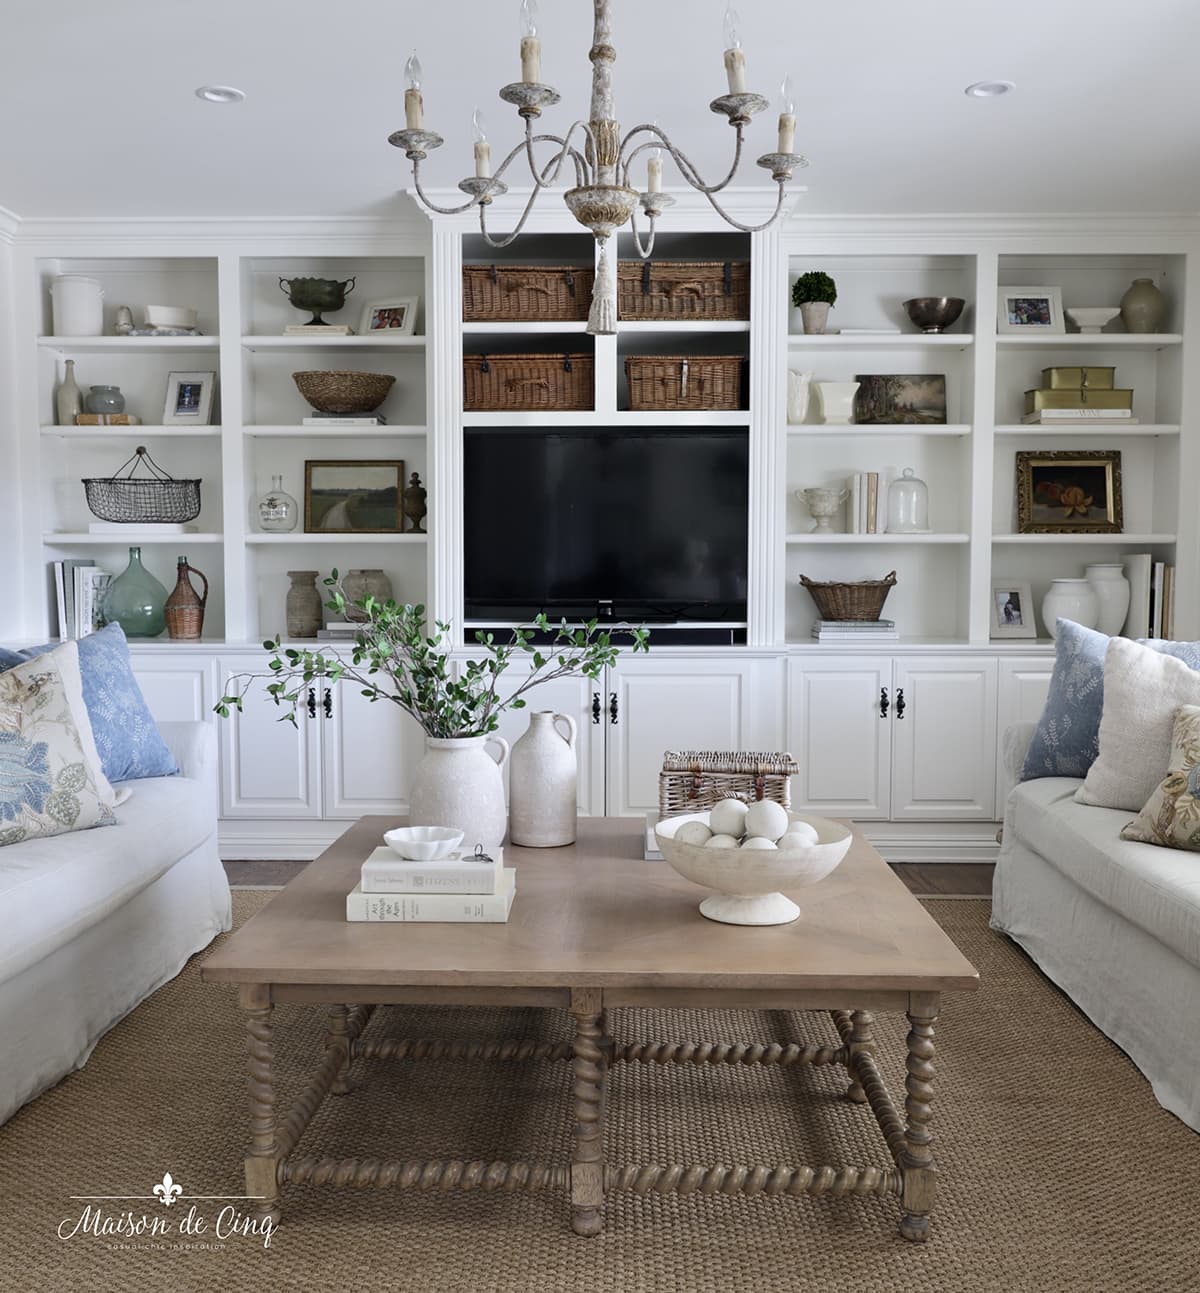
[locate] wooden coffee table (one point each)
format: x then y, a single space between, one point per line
595 926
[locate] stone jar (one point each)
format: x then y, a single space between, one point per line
303 604
1112 592
543 782
360 584
1142 306
458 784
1070 599
815 316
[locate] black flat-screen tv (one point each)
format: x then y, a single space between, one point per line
639 524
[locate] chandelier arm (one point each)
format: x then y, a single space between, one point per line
498 243
643 252
749 228
682 161
433 206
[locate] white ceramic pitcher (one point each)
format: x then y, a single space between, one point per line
543 782
458 784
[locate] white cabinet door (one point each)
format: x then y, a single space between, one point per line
371 750
1024 685
944 739
176 690
268 768
841 735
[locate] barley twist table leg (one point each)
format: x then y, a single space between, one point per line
916 1158
262 1162
339 1036
860 1040
587 1160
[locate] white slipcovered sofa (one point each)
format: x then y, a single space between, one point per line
1115 924
92 922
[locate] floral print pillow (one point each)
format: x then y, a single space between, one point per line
1171 816
48 783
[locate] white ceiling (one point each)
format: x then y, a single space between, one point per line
98 115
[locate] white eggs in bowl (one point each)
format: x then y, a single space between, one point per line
748 873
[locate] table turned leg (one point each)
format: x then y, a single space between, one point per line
262 1162
860 1039
916 1158
339 1036
587 1159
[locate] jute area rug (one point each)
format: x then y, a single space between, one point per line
1058 1170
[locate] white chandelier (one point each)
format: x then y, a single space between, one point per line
603 197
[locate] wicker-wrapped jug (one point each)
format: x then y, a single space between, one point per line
184 611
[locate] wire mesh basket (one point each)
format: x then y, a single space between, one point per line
155 498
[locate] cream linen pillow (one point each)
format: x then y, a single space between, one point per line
1171 816
1143 690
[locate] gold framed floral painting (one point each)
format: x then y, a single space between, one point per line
1065 491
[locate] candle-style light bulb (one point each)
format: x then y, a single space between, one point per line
531 47
787 117
735 60
413 72
654 167
414 107
483 150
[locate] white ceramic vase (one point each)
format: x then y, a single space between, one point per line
837 401
458 784
1070 599
797 396
543 783
1112 592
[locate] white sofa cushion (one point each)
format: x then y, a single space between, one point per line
1171 816
1156 889
52 889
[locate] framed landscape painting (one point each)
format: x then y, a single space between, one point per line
1064 491
900 399
351 497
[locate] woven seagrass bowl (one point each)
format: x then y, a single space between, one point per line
339 391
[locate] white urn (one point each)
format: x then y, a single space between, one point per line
458 784
837 401
1112 592
543 782
1070 599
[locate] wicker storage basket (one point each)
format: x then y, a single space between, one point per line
156 499
683 289
684 381
526 293
693 780
338 390
860 601
552 382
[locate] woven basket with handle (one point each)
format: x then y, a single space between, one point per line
858 601
552 382
526 293
684 381
155 499
693 780
683 289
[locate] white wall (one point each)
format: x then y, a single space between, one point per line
11 466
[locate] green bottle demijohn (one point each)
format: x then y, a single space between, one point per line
135 600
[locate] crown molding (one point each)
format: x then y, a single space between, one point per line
940 227
10 224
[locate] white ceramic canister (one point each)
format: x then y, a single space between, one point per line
837 401
1112 591
77 306
543 781
1070 599
458 784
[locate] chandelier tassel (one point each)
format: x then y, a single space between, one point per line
602 318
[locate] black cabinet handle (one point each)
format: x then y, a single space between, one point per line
900 702
327 703
596 708
312 703
883 702
612 707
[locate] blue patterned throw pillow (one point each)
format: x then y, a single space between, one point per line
1067 740
130 744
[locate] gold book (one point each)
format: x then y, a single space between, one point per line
107 420
1080 398
1074 379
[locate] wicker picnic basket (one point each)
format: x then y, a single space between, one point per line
859 601
693 780
155 499
526 293
510 382
684 381
683 289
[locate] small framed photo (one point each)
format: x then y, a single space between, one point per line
1066 491
398 315
1030 310
352 497
189 399
1012 610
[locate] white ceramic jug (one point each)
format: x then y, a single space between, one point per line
543 783
458 784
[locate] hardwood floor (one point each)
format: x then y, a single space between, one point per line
960 879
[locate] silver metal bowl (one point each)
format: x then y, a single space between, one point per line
934 313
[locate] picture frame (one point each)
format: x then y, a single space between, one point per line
189 399
1011 609
900 399
396 315
1030 310
354 496
1069 491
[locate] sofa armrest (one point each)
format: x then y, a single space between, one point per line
194 746
1014 748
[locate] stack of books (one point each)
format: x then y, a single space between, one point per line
79 590
1069 396
860 631
339 631
345 420
1151 597
865 505
454 889
318 330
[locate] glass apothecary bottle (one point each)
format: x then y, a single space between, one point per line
136 600
908 505
278 511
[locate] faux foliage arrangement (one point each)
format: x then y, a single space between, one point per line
394 659
814 286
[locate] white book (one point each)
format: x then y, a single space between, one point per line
139 527
826 636
70 594
81 608
60 598
1157 580
855 504
384 872
1137 571
651 852
1047 417
342 422
318 330
97 583
868 332
491 908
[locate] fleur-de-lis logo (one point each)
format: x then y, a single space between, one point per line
167 1190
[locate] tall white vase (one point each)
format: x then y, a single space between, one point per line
1112 591
543 783
458 784
1070 599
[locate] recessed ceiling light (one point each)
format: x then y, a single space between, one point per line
989 89
220 94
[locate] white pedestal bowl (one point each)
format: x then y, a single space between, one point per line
748 881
